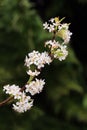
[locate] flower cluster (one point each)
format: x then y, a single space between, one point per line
58 48
35 86
13 90
64 32
24 102
35 61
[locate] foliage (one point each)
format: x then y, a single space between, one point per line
20 32
63 103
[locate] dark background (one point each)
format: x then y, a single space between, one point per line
63 103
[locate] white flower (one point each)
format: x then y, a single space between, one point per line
37 59
58 51
67 36
44 59
35 86
64 32
31 73
45 25
24 104
49 43
51 28
52 44
61 53
13 90
51 20
32 58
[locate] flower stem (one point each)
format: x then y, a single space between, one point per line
5 101
11 97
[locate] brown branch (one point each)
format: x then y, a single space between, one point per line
10 98
54 35
5 101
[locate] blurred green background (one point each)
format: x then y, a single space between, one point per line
63 103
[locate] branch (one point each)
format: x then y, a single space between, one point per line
5 101
10 98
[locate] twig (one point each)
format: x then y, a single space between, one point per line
10 98
5 101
